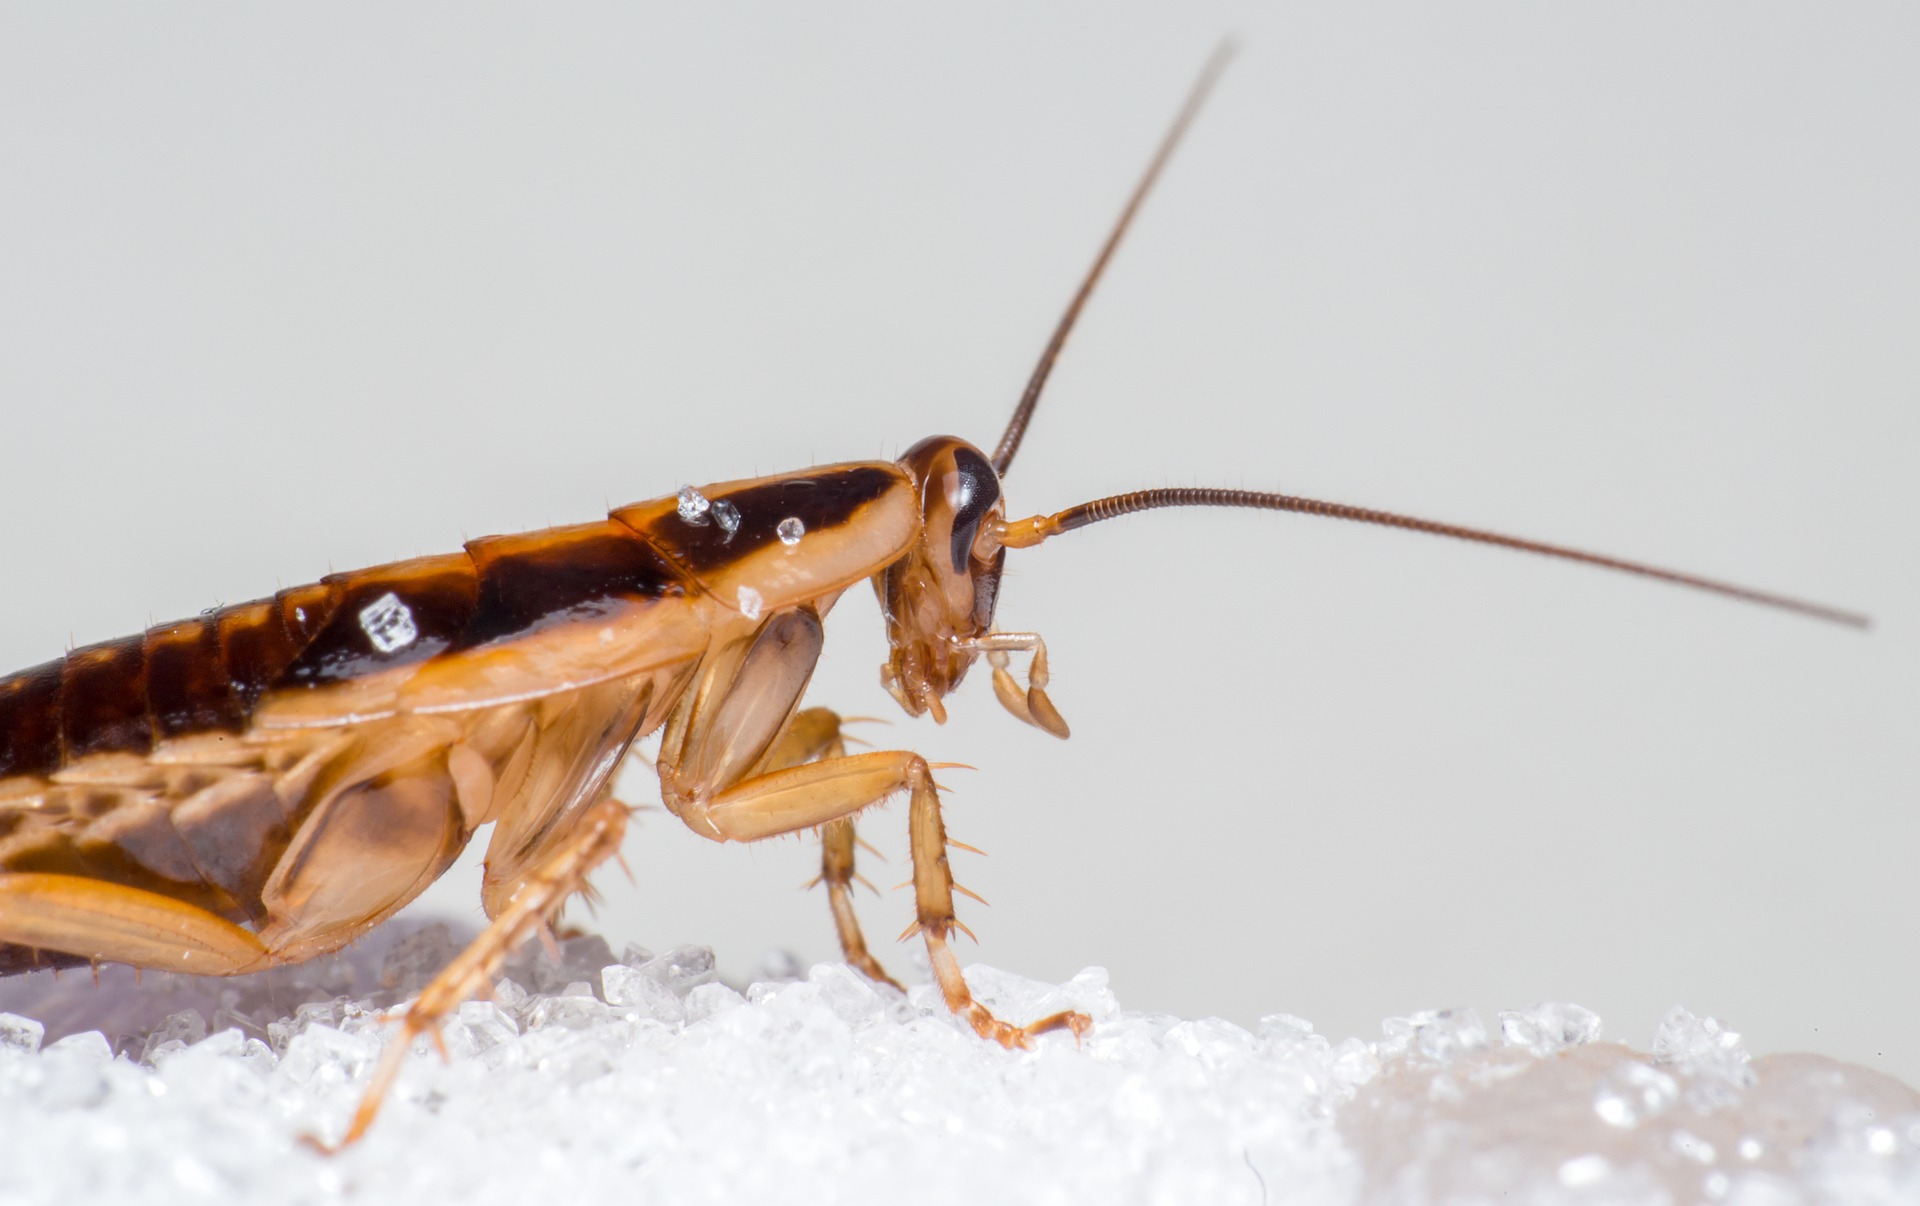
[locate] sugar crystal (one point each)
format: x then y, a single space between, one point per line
692 504
1438 1034
1716 1058
633 954
509 996
20 1034
388 623
1546 1029
707 1000
576 1008
174 1034
681 968
89 1045
631 988
485 1025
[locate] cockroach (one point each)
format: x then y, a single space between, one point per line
264 783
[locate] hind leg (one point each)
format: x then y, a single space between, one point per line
539 896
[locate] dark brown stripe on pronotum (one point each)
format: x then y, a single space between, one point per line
187 686
30 721
541 578
820 502
103 700
388 616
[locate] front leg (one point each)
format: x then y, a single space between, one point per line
836 789
718 775
933 896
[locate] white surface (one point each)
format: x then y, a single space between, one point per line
669 1086
284 290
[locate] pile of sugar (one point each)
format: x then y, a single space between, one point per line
643 1078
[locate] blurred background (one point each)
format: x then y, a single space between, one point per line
288 290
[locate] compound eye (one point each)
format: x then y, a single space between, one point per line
975 493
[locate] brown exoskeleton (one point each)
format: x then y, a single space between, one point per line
264 783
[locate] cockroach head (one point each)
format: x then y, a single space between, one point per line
943 590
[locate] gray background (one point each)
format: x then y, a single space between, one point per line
289 289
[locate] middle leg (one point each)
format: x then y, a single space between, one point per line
815 733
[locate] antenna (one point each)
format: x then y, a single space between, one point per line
1023 414
1025 533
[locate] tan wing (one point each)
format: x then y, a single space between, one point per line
309 837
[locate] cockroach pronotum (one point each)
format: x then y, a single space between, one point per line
265 782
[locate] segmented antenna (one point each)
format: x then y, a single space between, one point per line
1027 532
1023 414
